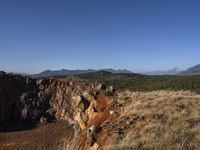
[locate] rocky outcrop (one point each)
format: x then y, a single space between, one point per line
96 116
86 106
13 91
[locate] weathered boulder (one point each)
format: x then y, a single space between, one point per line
110 89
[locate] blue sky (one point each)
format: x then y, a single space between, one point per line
139 35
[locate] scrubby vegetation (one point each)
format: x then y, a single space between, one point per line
138 82
170 120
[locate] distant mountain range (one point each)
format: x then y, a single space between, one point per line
195 70
173 71
66 72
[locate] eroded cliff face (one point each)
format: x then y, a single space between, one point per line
12 90
85 106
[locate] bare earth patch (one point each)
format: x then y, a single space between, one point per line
41 137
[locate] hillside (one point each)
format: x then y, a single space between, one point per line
138 82
63 72
161 120
195 70
71 113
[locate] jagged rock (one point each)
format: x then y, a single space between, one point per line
87 96
91 132
94 147
76 99
76 128
71 83
113 113
84 117
43 120
77 117
91 111
81 107
110 89
80 102
39 81
24 112
101 87
63 112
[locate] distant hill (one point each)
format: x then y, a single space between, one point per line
139 82
195 70
173 71
66 72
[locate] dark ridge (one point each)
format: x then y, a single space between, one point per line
66 72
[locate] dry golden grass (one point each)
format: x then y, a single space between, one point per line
171 120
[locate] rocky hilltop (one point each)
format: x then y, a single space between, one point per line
85 106
70 113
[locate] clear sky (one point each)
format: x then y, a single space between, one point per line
139 35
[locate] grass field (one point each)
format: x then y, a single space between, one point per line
171 121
